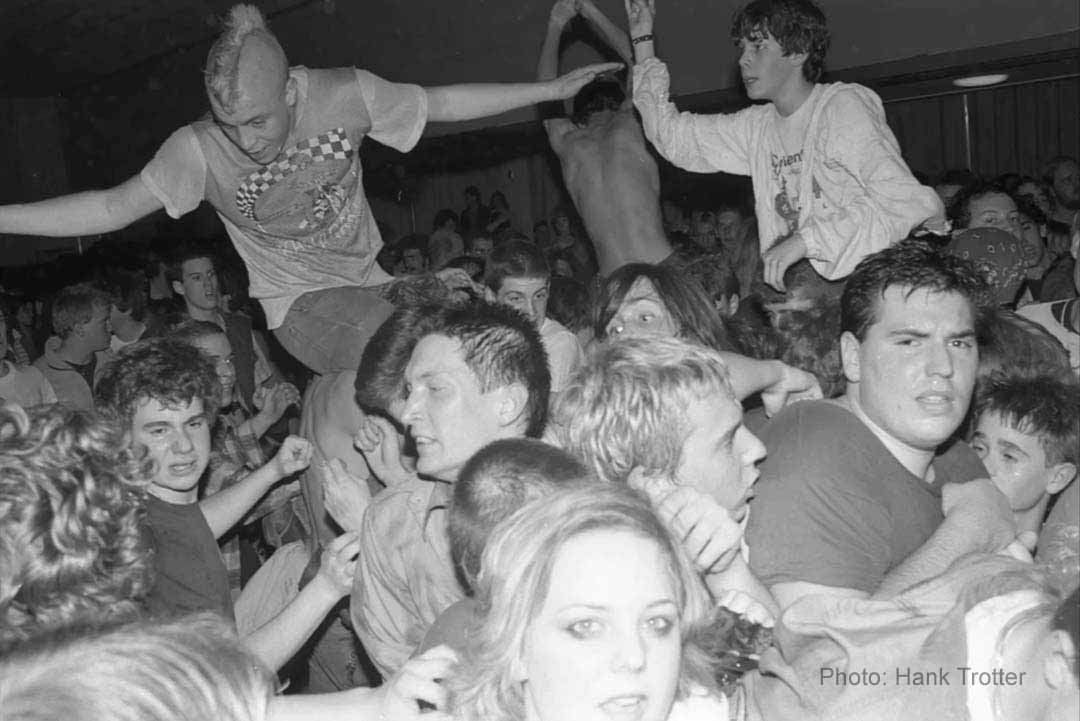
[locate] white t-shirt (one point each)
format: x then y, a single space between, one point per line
302 222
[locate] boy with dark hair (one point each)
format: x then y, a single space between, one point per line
166 393
78 354
1027 433
517 273
829 181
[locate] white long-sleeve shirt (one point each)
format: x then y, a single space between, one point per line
854 194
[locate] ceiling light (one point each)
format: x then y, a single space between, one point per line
980 81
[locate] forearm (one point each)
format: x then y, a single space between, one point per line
258 424
88 213
451 103
357 704
750 376
738 577
224 509
547 68
609 32
949 542
276 641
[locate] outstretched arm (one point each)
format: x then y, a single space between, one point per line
89 213
640 14
450 103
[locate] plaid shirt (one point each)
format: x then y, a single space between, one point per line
233 455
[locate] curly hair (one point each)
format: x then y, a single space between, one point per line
798 26
163 369
73 544
515 578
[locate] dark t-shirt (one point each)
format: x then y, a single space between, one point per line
86 370
190 573
835 507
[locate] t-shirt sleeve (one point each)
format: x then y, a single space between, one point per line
398 111
811 522
177 173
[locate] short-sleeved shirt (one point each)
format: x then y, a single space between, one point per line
834 507
302 222
189 572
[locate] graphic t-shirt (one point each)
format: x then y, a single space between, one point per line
301 223
786 163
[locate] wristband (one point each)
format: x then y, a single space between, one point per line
647 38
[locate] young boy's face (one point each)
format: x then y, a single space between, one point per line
1015 460
177 438
529 295
765 70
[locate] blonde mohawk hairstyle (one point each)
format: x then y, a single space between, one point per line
223 61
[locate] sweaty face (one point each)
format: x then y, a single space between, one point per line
720 456
219 350
260 118
1016 461
642 314
446 413
995 210
177 439
606 643
529 295
199 284
913 373
764 68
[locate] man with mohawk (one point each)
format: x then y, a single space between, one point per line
278 162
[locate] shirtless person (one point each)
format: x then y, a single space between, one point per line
607 168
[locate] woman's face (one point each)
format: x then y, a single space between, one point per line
1037 195
606 643
642 314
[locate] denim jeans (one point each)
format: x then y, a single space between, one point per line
327 330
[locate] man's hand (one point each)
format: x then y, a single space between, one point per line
983 510
640 14
562 12
780 257
747 606
380 443
419 680
706 529
345 496
293 456
794 385
568 85
275 400
338 563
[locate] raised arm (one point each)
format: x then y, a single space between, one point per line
89 213
640 14
450 103
615 37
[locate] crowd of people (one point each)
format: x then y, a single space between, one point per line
811 456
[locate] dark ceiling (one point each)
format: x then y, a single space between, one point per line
51 46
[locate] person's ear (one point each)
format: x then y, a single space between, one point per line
849 356
178 288
733 304
511 404
1057 664
797 59
290 91
1061 476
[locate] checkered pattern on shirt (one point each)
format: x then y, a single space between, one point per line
332 145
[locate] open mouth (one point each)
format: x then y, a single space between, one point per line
629 706
182 469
